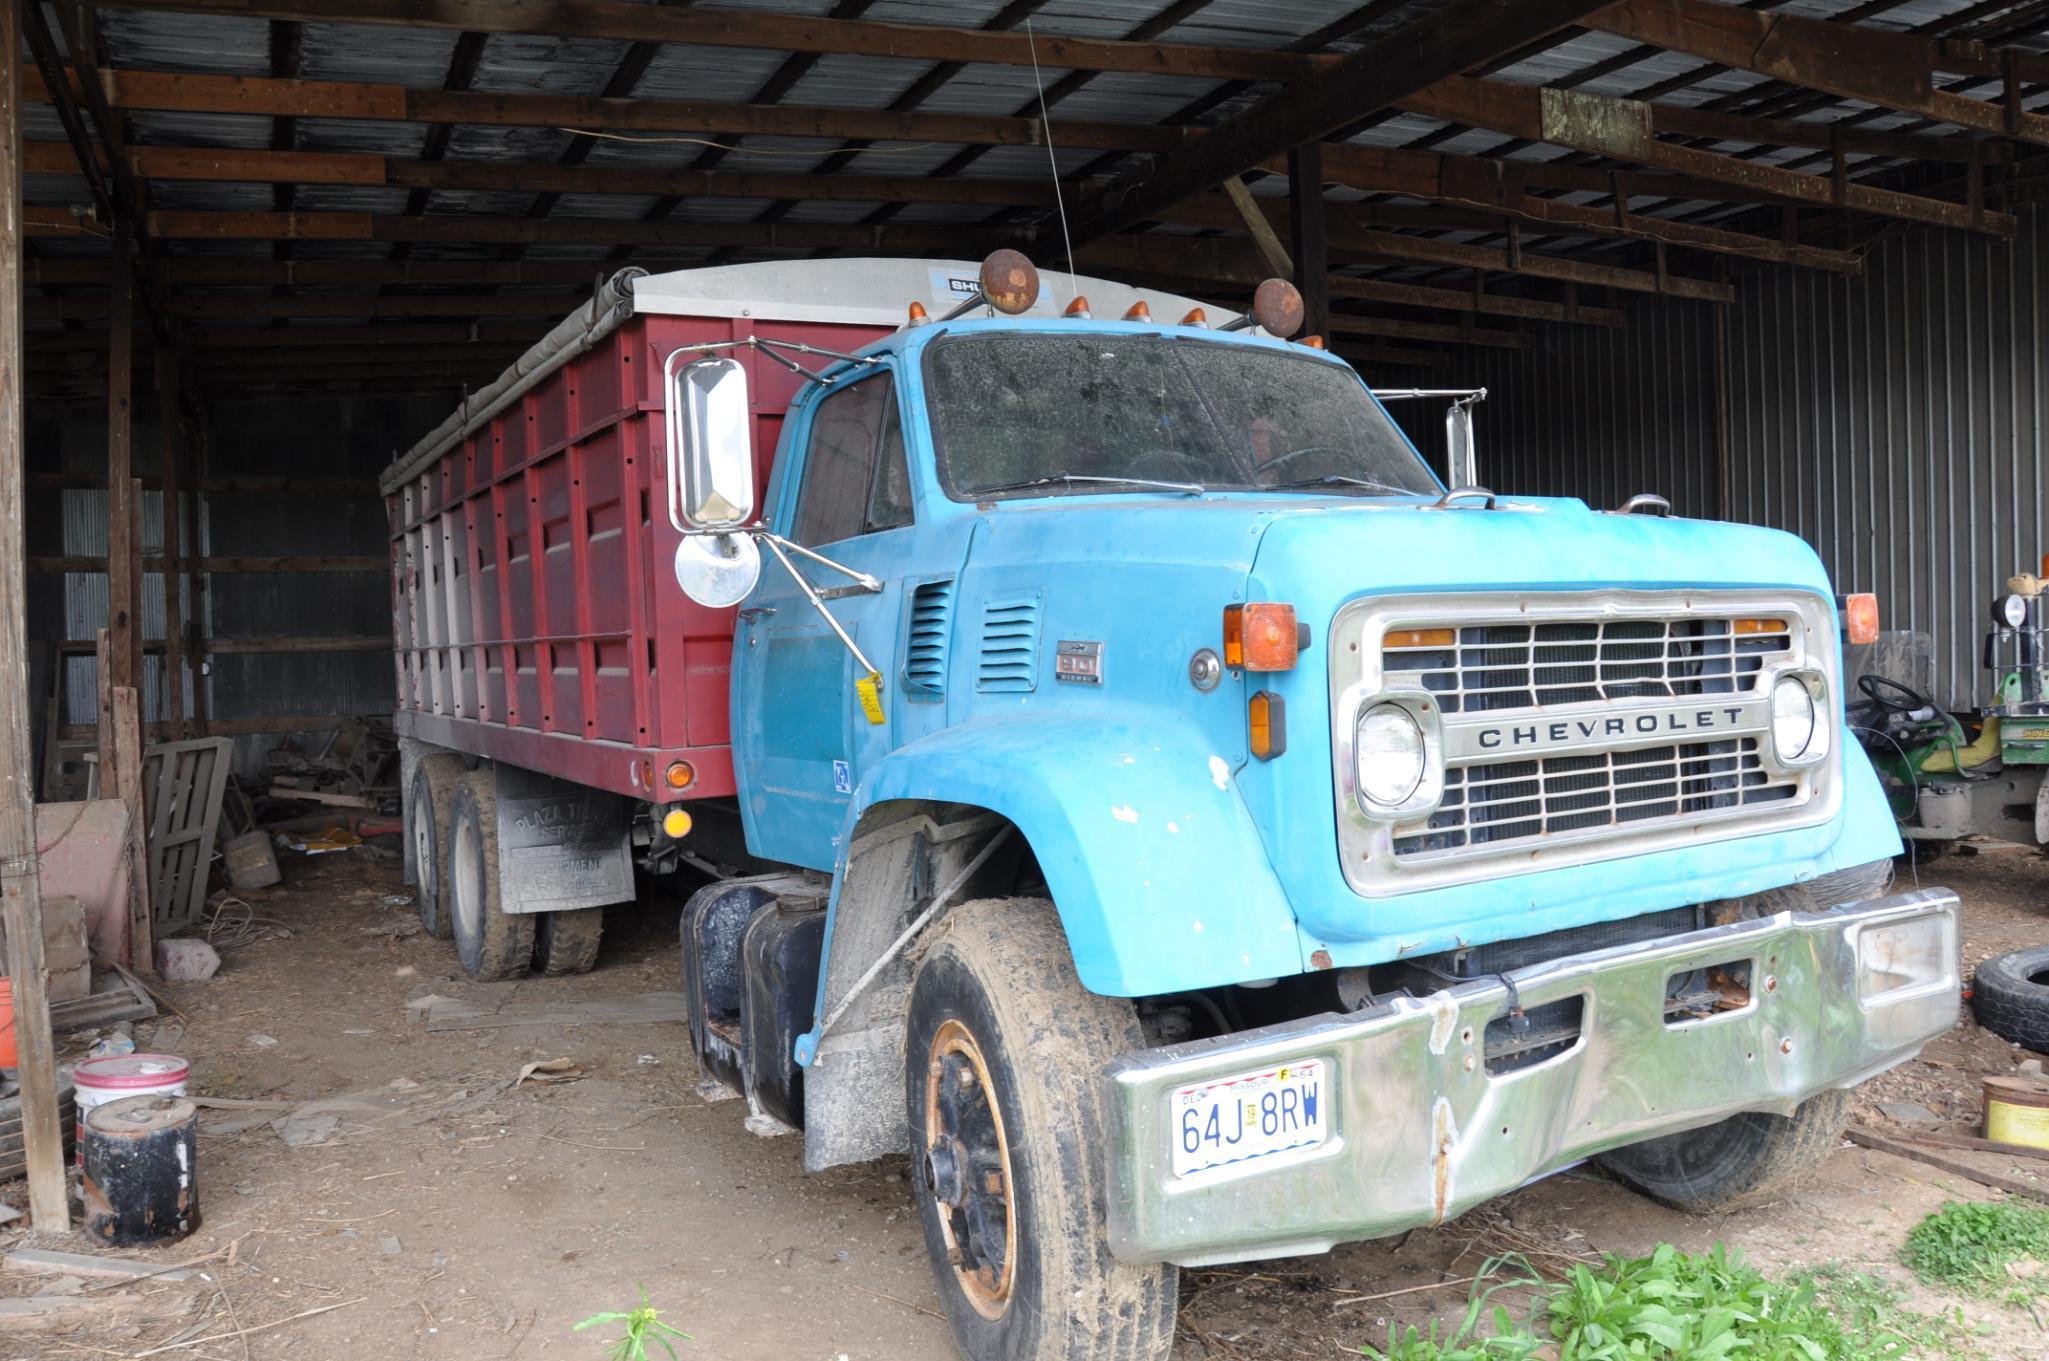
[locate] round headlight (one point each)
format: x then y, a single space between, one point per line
1388 751
1794 719
2013 610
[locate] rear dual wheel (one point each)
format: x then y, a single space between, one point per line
1008 1138
433 794
491 942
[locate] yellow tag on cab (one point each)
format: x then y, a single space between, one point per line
869 688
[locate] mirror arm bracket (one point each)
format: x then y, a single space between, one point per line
776 545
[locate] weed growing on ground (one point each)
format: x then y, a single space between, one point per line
1676 1306
1982 1249
643 1325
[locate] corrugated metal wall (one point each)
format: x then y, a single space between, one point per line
1894 420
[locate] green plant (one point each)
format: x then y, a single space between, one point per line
1675 1306
1977 1248
643 1325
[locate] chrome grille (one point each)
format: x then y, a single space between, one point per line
1514 801
1502 666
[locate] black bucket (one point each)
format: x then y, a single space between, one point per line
141 1183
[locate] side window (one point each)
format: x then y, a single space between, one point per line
855 478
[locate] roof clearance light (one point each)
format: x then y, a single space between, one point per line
1196 317
1139 312
918 316
1860 619
1261 637
1079 309
1313 342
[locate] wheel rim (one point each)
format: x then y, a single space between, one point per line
966 1168
467 882
423 850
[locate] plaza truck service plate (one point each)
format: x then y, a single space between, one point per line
1249 1116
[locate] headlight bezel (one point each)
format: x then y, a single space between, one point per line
1821 732
1428 791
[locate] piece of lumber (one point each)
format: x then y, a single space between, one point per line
20 891
1871 1139
49 1313
39 1261
645 1008
1974 1143
283 791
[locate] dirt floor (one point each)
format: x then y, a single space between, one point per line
444 1211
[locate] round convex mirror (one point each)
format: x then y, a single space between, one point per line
717 570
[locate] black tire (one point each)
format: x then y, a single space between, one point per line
2010 994
1921 851
998 972
491 944
434 780
567 942
1735 1163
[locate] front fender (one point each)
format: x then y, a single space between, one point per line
1158 873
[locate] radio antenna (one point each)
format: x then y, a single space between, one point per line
1052 166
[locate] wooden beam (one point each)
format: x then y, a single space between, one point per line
154 563
264 645
247 306
196 271
168 376
233 727
1190 262
230 166
1353 324
181 92
1309 237
21 906
49 73
1891 70
1253 218
124 613
582 231
712 26
1622 129
1464 34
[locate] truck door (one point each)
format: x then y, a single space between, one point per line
800 738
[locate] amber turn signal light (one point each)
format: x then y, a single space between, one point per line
1408 638
676 824
1860 618
1266 719
679 775
1261 637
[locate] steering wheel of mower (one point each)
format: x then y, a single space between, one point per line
1892 696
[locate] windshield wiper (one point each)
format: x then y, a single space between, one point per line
1339 480
1069 479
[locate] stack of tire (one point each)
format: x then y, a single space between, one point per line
2011 997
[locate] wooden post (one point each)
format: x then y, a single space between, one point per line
174 548
21 907
123 611
1308 230
127 773
201 590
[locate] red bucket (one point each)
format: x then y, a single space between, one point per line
10 1057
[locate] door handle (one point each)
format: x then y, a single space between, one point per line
748 616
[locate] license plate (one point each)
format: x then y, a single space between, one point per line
1250 1116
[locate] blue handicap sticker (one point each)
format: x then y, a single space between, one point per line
842 778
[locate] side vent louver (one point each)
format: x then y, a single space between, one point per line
1010 646
925 642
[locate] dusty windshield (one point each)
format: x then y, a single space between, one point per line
1037 414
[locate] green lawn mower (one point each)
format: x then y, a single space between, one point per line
1950 775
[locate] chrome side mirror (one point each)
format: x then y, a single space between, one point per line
1462 461
711 445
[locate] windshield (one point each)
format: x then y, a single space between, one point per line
1038 414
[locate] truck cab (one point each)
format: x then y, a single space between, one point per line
1193 832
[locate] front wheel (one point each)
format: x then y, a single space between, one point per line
1735 1163
1008 1136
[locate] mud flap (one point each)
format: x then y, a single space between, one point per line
561 846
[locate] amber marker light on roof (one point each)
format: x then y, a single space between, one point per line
1860 618
1313 342
1196 317
918 316
1079 309
1261 637
1139 312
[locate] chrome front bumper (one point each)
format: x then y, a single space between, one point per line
1421 1131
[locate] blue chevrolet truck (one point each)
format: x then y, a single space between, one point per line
1192 832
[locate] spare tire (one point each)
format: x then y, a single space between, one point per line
2011 996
